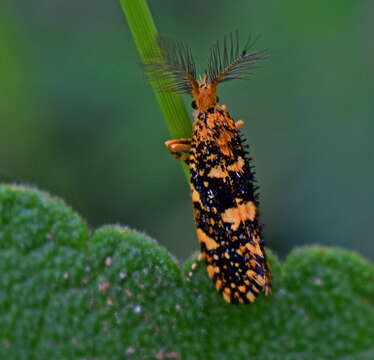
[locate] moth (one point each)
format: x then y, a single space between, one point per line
222 179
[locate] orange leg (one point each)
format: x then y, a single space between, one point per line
268 279
239 124
178 146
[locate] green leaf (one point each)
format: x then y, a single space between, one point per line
118 295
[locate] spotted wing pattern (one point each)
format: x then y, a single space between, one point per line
225 206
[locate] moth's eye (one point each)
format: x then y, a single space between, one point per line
217 98
193 105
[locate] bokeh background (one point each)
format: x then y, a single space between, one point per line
78 118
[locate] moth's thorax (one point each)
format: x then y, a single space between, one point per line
213 122
214 130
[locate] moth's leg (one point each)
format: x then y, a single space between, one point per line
267 288
181 141
194 266
239 124
178 146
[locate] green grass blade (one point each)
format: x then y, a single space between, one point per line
145 35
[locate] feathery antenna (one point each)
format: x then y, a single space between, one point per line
176 71
227 62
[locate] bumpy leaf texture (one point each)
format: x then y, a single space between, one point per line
116 294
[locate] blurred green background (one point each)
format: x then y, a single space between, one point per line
78 118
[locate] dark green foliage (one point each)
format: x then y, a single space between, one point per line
118 294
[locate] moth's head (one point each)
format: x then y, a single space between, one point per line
204 95
176 71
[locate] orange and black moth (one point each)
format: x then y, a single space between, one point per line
222 179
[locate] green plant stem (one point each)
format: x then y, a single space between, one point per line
145 35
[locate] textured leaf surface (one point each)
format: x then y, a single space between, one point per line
118 295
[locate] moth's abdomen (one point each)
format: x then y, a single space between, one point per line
225 209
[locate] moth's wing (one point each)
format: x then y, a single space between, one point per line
225 209
239 270
232 249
